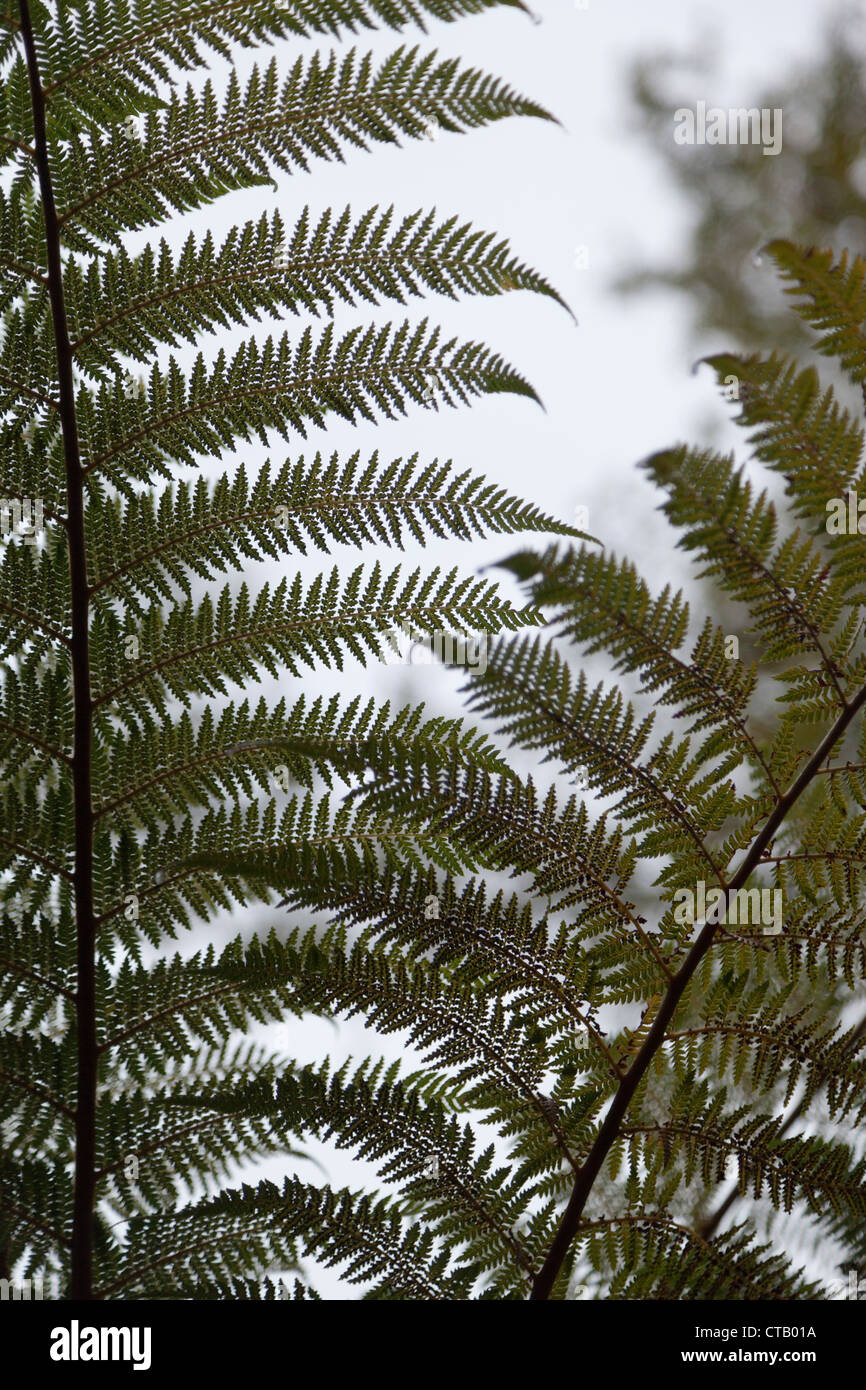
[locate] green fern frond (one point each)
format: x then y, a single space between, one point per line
201 146
152 546
606 997
123 305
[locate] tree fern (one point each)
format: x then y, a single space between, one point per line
135 757
597 1046
596 1065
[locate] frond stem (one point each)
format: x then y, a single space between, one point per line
81 1267
612 1124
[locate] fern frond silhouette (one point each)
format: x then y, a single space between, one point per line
618 999
136 761
656 1024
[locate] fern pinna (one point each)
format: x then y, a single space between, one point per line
658 1025
133 758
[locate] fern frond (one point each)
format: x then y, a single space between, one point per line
151 546
201 146
120 304
104 78
279 386
831 296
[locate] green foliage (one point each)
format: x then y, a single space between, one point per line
562 1035
533 1008
136 760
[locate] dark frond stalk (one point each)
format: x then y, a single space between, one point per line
81 1271
610 1129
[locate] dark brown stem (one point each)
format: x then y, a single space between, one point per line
606 1136
81 1271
